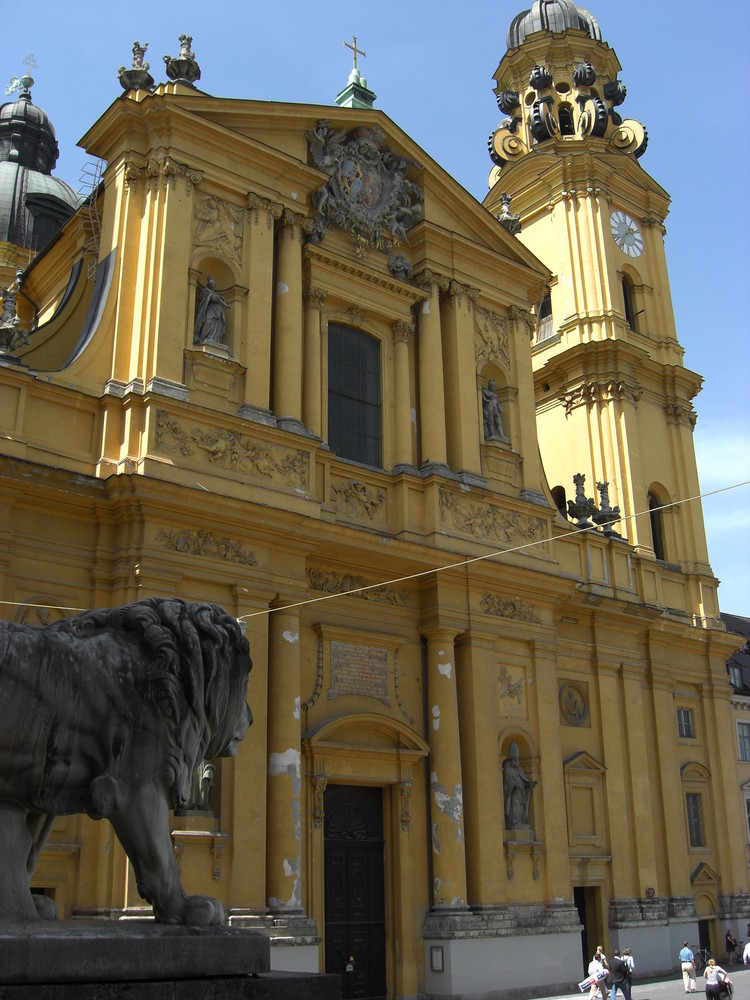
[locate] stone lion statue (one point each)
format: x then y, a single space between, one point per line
111 713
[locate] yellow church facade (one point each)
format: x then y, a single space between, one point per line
283 362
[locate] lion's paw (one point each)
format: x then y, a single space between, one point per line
45 906
200 911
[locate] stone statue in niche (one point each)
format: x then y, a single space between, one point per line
210 320
111 713
492 414
517 788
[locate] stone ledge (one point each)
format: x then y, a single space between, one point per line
266 986
97 952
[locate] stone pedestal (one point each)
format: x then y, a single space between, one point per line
82 960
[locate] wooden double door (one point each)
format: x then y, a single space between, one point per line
355 890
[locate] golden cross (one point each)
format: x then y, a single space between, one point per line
355 50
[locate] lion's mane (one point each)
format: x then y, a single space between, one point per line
85 693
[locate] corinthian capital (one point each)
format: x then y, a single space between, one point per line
402 331
314 297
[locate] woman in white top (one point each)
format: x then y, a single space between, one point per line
714 976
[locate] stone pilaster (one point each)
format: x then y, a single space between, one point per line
287 360
256 346
312 376
462 428
446 788
284 829
403 448
431 382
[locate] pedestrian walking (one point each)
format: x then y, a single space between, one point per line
687 964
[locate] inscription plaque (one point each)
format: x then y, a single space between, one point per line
359 670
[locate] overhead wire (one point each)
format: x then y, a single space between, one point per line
469 560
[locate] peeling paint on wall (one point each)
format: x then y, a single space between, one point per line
281 288
435 843
287 763
291 870
426 307
452 805
435 717
296 712
290 636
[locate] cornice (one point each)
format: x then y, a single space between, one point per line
320 254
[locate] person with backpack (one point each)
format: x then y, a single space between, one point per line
619 972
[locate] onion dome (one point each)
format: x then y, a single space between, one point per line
33 205
551 15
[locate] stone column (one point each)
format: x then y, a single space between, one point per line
446 789
256 343
403 451
431 385
287 357
284 829
462 430
312 375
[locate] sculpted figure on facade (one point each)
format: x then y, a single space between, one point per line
113 713
210 320
492 414
517 788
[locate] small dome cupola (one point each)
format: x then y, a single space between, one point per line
551 15
33 204
559 91
26 133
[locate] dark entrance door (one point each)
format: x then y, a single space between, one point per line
355 890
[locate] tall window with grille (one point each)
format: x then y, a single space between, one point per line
685 728
743 740
695 819
354 408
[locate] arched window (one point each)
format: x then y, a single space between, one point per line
558 495
354 418
565 118
629 302
657 526
546 329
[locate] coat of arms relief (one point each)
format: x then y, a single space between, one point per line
368 192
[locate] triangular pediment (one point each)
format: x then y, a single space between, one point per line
583 761
265 131
704 875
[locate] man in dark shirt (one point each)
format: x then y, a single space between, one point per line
619 971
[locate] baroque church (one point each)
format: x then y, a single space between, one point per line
432 454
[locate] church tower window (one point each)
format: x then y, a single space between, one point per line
565 118
628 301
657 526
354 408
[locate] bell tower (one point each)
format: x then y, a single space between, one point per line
613 398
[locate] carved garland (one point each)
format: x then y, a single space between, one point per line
232 451
508 608
336 583
489 521
206 543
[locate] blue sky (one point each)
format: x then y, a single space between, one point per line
431 66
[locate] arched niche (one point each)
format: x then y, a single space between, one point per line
493 380
207 266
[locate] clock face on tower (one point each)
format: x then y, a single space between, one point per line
626 234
